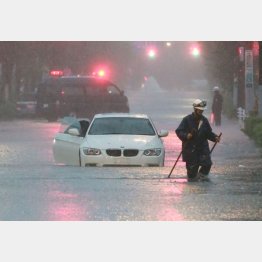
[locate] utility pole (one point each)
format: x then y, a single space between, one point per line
241 76
247 76
250 77
259 93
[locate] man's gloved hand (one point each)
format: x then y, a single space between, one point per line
217 138
191 134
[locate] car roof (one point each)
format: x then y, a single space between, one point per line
131 115
77 79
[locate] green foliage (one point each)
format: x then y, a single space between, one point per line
258 133
7 111
253 128
250 123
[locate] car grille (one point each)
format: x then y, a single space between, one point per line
118 152
130 152
113 152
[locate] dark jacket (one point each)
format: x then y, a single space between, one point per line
217 103
195 150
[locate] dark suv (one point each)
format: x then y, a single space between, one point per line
80 96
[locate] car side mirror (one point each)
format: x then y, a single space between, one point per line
73 131
163 133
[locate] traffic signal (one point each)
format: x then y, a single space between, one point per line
195 51
241 53
151 52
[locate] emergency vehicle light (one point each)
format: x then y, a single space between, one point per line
56 73
101 73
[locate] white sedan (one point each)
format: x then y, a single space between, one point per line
111 139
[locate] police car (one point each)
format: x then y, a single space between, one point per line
80 96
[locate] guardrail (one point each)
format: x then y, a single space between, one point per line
241 115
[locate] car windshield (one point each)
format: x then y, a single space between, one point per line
121 125
27 97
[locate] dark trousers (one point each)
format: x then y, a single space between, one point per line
217 118
193 169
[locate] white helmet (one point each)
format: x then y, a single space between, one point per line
216 88
199 104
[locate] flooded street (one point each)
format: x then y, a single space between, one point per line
161 57
34 188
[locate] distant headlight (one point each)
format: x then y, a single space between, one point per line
152 152
91 151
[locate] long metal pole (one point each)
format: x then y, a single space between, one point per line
174 164
215 143
181 154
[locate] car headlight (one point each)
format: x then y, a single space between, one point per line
152 152
91 151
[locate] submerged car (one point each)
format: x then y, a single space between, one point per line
111 139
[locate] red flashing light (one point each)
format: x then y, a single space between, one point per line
101 73
56 73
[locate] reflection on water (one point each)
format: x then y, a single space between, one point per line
65 207
173 147
172 194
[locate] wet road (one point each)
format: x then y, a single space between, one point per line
33 187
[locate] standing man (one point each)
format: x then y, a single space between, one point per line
217 106
194 131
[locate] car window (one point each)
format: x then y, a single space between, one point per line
74 125
93 90
112 90
72 122
101 89
84 126
69 122
121 125
27 97
72 91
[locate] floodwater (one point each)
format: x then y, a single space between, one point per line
34 188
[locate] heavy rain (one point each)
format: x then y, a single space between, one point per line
160 78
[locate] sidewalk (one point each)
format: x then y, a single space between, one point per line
234 142
236 154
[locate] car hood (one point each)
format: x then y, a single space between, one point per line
122 141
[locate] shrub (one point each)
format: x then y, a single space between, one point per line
250 123
253 128
258 134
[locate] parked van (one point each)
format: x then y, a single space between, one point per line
79 96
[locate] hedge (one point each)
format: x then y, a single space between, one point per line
253 128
